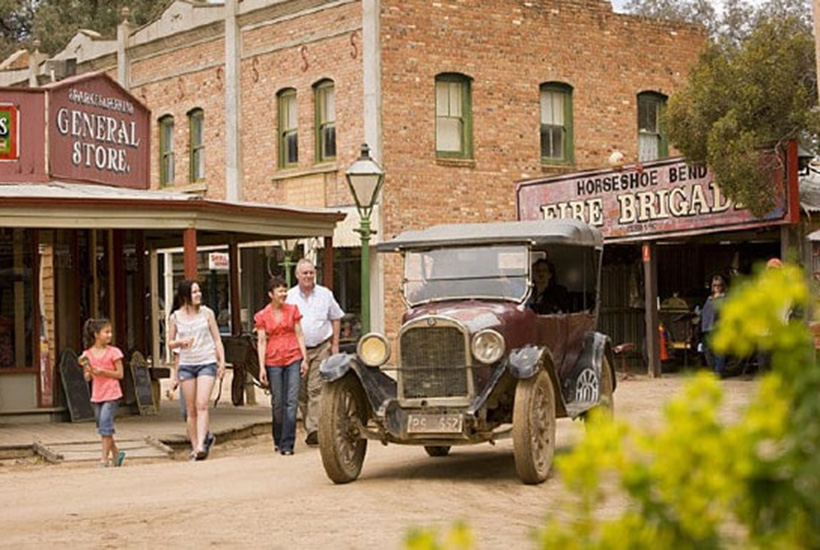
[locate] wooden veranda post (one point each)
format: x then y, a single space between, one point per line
189 253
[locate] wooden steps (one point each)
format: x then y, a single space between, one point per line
147 447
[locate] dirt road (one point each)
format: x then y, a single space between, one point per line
245 496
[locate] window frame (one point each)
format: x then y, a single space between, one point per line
195 151
166 153
663 139
568 126
319 89
282 96
467 150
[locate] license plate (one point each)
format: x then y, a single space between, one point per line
434 423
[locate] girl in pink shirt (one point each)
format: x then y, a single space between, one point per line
102 365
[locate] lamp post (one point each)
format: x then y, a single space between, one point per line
288 245
364 177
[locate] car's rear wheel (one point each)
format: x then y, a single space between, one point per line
343 415
437 450
534 427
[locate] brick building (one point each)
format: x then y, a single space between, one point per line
458 100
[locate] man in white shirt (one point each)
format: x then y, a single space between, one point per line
321 321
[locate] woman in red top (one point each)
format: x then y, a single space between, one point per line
281 347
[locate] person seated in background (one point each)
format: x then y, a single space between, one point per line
547 295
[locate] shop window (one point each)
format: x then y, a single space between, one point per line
288 128
325 121
166 150
652 140
556 123
16 298
454 125
196 145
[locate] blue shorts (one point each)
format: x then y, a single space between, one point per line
189 372
104 414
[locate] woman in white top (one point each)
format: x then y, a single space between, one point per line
194 333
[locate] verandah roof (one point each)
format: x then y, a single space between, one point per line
161 215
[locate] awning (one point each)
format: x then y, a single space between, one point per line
346 234
161 215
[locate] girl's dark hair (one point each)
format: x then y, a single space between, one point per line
183 295
276 282
91 328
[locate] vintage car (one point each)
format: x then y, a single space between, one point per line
474 361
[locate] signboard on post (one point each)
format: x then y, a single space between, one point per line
9 131
665 198
98 133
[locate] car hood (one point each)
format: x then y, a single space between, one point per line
476 315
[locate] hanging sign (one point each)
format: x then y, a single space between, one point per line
9 132
667 197
99 133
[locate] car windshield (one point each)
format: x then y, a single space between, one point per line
496 272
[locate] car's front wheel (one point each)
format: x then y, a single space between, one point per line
437 450
342 418
534 427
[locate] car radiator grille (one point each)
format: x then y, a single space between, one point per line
433 363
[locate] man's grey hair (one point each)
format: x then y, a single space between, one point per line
304 261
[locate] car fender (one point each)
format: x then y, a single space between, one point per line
577 389
377 386
524 363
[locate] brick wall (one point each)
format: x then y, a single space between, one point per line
292 53
508 48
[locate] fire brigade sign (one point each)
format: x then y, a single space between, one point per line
668 197
98 132
9 132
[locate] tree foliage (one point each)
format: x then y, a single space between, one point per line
743 101
700 482
54 22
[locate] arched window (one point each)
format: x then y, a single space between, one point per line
196 145
325 101
556 123
454 121
166 150
288 128
652 140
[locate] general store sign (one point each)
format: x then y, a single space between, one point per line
9 132
668 197
99 133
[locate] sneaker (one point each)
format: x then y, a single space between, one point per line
210 439
287 453
120 459
312 439
201 455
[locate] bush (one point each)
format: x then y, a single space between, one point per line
699 482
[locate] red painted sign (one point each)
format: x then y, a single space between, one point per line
98 133
663 198
9 132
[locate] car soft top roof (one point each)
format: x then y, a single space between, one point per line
563 231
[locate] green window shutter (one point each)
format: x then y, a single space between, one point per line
288 128
454 120
557 136
196 145
653 143
325 121
166 150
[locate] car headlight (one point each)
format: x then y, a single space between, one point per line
488 346
373 349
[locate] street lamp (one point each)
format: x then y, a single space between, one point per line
364 177
288 246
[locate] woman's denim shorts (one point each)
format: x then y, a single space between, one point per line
104 414
189 372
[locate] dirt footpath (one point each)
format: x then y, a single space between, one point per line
245 496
